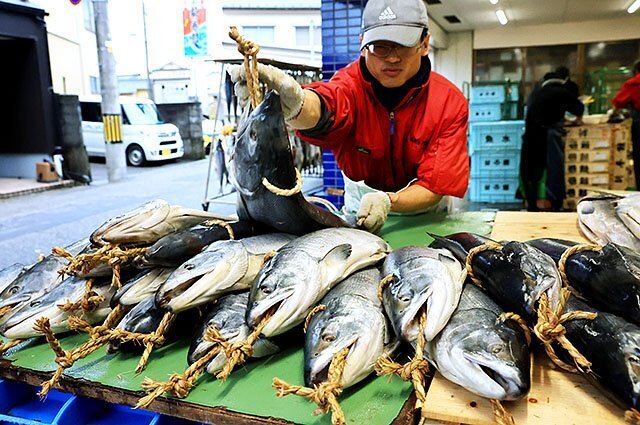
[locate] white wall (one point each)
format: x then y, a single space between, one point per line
512 35
456 61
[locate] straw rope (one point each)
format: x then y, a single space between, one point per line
157 339
549 329
415 370
316 309
268 256
89 302
239 351
250 52
487 246
9 345
5 310
500 414
562 264
383 283
221 223
519 320
284 192
632 416
324 395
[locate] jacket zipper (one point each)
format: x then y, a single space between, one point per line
392 131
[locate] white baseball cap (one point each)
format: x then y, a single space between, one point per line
398 21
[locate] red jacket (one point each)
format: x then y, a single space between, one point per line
424 138
629 94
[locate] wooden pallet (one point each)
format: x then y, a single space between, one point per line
556 397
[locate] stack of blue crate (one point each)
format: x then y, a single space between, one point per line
495 142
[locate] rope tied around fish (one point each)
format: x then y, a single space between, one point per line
111 254
324 395
550 329
5 310
632 416
500 414
487 246
155 339
314 310
250 52
562 264
284 192
506 316
89 302
414 370
180 384
223 224
9 345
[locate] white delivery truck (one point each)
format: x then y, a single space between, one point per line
145 135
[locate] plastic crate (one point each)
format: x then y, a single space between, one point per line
495 135
488 94
485 112
20 404
493 190
499 163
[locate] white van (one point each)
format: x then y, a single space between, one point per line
145 135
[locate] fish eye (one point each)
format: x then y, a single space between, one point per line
328 338
496 348
405 296
266 289
35 303
634 360
253 135
189 266
14 290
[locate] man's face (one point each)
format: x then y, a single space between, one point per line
400 65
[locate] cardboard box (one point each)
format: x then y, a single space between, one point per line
46 172
586 168
588 156
580 180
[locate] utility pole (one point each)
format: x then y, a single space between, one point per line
111 117
146 54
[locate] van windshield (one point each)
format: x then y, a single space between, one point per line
141 114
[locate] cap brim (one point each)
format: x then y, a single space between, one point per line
400 34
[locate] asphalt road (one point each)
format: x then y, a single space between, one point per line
31 225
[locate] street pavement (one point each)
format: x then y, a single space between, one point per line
31 225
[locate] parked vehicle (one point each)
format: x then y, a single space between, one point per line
145 135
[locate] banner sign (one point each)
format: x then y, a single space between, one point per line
194 23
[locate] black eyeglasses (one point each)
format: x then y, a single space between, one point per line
383 50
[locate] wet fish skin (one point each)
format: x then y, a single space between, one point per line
459 244
304 270
516 276
612 345
473 342
142 286
599 222
227 315
262 151
21 324
42 277
9 274
148 223
422 277
554 248
223 267
354 319
178 247
628 210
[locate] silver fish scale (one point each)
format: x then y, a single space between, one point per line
319 243
362 284
265 243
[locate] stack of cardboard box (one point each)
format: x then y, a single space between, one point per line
597 157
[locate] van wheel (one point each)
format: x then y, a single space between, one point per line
135 155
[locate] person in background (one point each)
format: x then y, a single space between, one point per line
398 129
563 73
629 98
542 145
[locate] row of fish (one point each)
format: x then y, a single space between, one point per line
605 218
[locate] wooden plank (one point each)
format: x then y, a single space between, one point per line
556 397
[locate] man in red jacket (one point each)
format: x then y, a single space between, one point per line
398 130
629 97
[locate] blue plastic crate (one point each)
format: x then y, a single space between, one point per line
20 404
487 94
500 163
495 136
97 412
493 190
485 112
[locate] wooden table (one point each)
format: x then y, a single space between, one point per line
556 397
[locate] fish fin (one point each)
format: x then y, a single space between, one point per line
338 254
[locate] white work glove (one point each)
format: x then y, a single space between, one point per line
291 93
374 208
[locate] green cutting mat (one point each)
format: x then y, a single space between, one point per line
248 390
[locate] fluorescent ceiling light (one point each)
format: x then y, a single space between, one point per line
493 1
634 6
502 17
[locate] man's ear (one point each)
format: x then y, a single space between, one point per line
425 45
